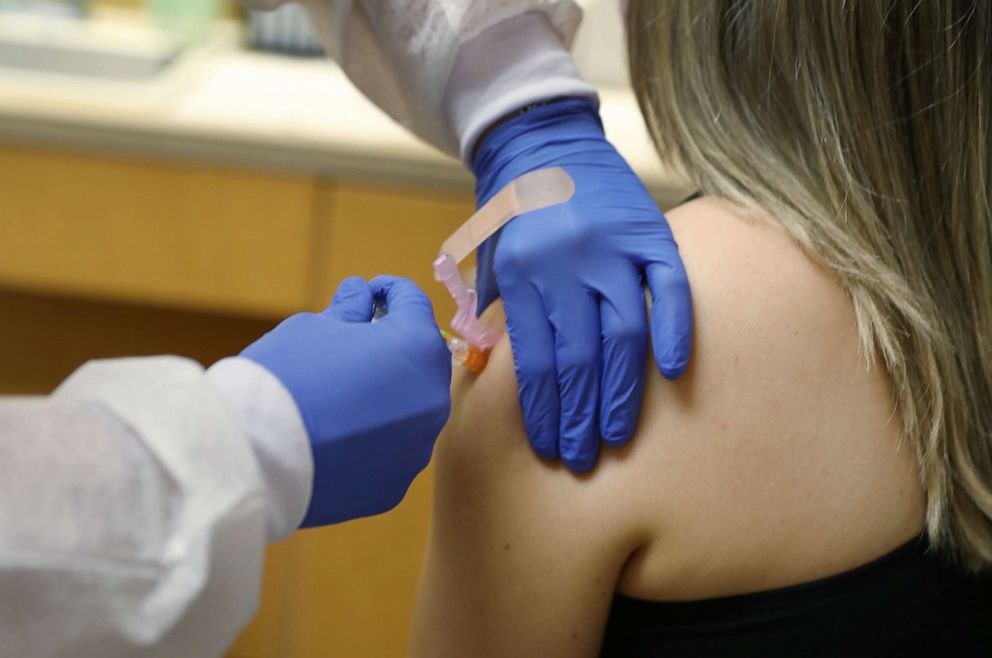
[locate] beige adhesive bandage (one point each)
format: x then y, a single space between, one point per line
532 191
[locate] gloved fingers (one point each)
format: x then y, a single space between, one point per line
404 299
485 278
532 341
352 301
625 337
671 315
578 355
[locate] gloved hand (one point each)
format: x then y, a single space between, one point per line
373 395
571 278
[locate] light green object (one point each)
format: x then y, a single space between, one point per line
188 19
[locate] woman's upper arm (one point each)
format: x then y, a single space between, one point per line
524 555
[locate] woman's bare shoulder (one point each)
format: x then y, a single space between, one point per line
775 447
777 454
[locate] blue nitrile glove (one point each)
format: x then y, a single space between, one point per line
373 395
571 278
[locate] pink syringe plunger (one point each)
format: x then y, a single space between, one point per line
465 322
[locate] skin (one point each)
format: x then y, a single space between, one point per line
775 460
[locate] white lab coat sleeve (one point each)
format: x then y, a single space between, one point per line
448 69
272 422
133 515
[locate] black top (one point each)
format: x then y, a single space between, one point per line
906 603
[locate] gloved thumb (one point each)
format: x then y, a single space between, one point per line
403 298
352 302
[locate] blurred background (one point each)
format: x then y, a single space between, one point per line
178 175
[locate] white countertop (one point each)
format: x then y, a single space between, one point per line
223 104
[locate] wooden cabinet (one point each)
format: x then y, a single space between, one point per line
104 256
183 235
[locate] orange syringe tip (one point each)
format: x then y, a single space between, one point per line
476 359
465 354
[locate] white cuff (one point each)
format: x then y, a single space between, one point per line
271 420
514 63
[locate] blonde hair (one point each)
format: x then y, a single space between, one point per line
863 128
